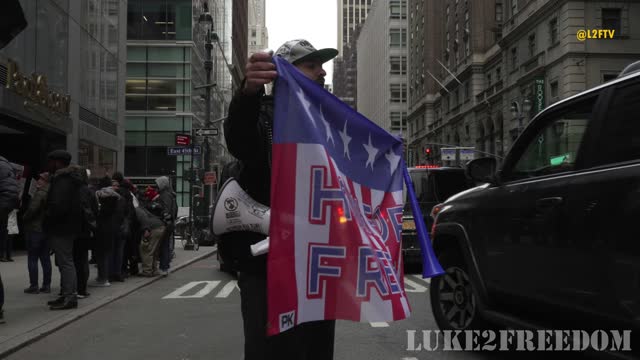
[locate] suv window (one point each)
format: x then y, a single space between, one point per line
620 137
555 148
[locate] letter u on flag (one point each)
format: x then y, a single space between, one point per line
336 211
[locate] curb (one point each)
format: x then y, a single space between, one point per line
23 340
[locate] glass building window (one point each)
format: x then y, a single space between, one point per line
398 65
553 30
159 20
398 120
398 93
532 45
398 37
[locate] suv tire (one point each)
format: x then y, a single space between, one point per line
453 299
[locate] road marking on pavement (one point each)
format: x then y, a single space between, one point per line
419 277
228 289
411 358
412 286
178 293
379 324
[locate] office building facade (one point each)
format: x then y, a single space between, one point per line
62 85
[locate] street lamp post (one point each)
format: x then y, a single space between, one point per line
206 20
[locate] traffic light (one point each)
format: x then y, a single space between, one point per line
427 152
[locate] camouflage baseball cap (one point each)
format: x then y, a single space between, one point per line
298 50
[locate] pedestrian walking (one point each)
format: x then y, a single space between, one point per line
248 134
38 245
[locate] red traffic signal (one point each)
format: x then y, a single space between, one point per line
427 151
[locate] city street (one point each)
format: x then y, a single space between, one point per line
195 314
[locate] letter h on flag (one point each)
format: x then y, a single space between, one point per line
336 211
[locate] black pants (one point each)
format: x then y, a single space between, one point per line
81 261
116 258
38 249
307 341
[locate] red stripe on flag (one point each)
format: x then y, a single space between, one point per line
282 295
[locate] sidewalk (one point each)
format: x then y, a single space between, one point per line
27 316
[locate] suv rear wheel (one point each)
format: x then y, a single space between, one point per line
453 300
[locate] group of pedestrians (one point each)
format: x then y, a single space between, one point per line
71 214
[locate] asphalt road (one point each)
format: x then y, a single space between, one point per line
195 314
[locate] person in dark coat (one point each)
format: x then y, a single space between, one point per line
248 134
107 230
8 202
38 246
63 223
86 239
127 212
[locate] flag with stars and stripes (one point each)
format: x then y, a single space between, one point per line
336 211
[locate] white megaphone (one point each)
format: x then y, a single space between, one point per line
235 210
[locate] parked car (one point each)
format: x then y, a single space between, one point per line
432 185
550 240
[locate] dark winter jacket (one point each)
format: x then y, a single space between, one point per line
108 218
34 216
249 135
8 187
63 216
128 211
147 219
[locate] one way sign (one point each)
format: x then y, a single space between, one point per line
207 132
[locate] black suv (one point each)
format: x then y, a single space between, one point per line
550 240
432 186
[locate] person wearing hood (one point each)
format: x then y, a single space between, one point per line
167 199
63 223
108 227
150 215
38 246
8 201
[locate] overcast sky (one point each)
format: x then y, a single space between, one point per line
313 20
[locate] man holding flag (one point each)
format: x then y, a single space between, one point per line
336 208
249 134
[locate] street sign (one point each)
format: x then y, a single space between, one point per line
183 140
448 154
183 150
467 154
210 178
207 132
539 95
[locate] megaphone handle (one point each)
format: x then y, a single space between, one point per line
260 248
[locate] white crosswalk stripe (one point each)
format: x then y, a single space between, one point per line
228 289
412 286
379 324
179 292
